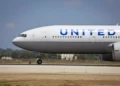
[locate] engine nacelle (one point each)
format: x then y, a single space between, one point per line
115 54
116 51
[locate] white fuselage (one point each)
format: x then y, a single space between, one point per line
69 39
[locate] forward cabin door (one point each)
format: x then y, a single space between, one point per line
44 36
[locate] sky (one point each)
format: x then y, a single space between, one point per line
17 16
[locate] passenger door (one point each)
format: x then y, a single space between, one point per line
44 36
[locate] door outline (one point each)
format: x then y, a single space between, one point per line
44 35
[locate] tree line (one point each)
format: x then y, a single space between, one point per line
24 54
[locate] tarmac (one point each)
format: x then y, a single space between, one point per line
58 69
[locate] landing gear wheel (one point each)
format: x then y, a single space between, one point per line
39 61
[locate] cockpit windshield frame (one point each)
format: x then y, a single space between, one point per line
23 35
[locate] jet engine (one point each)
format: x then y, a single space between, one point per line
116 51
115 54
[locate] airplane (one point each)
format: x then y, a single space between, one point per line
82 39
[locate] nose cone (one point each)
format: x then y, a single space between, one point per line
15 41
20 42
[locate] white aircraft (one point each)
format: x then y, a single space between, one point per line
88 39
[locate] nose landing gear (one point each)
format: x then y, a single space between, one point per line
39 61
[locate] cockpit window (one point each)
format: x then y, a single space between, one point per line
23 35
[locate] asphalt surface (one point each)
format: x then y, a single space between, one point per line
58 69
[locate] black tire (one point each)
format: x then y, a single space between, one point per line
39 61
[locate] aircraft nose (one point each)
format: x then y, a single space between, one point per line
15 41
